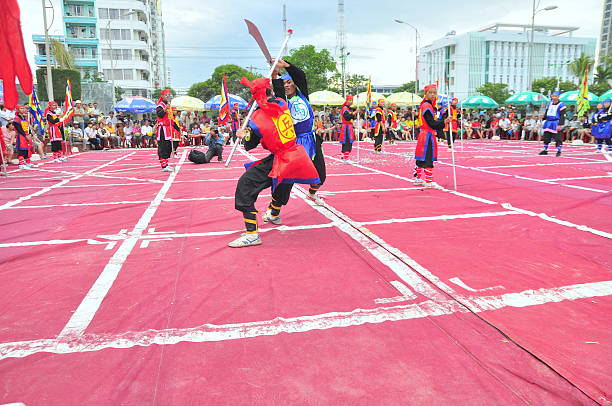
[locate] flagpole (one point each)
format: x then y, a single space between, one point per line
452 143
358 130
254 105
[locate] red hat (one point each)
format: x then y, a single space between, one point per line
429 87
455 99
348 99
52 103
258 90
165 92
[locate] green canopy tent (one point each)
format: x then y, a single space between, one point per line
570 98
526 98
478 102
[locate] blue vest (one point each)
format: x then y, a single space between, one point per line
601 129
303 122
552 120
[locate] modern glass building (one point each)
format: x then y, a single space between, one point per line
606 29
122 39
500 54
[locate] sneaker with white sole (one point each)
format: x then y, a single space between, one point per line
62 159
57 160
419 182
245 240
269 218
31 165
432 185
168 169
315 199
24 166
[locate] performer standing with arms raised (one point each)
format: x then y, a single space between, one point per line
347 133
554 119
293 87
426 151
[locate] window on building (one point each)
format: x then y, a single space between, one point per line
113 13
103 13
118 74
80 52
75 10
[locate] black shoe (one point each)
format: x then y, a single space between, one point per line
544 152
558 153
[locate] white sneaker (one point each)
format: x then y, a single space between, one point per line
168 169
24 166
419 182
31 165
269 218
57 160
245 240
62 159
432 185
315 199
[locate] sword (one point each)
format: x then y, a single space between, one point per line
257 35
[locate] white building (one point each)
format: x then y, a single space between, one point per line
606 29
123 39
500 54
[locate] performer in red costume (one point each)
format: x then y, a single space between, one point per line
380 128
426 151
55 129
165 130
23 138
272 126
347 132
454 123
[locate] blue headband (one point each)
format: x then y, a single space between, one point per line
286 76
608 101
556 93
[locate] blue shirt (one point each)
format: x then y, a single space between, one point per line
220 140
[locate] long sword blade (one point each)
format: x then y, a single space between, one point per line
254 31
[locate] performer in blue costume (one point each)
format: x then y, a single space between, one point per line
293 87
602 125
554 119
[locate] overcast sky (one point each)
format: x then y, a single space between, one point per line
202 34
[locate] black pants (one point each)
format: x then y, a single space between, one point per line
548 136
251 183
347 147
378 140
428 162
25 153
215 150
95 143
448 138
56 146
164 148
607 141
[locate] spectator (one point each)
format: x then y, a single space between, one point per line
215 142
128 132
528 127
79 115
503 127
137 133
6 116
113 140
147 134
8 133
76 133
111 119
195 132
92 136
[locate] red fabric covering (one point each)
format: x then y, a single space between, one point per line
14 63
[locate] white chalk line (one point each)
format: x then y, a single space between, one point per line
583 177
300 324
508 206
539 164
55 186
86 311
443 217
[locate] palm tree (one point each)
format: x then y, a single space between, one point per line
603 73
62 57
579 66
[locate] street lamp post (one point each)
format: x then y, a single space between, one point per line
416 54
48 54
534 11
343 69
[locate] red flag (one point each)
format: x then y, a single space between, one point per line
224 107
12 54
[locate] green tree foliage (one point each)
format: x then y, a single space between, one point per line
599 88
212 87
318 65
497 91
59 83
62 58
157 93
93 75
550 85
354 83
578 66
119 93
407 87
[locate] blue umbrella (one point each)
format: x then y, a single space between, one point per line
135 104
213 104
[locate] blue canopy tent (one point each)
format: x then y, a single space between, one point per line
135 104
213 103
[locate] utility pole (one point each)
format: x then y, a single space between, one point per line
341 44
284 20
48 54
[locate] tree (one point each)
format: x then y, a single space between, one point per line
157 93
59 83
603 73
578 66
62 58
599 88
317 65
407 87
354 83
550 85
93 75
119 92
212 87
497 91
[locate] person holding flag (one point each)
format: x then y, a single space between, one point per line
55 130
380 126
347 133
554 120
272 126
452 128
22 138
165 130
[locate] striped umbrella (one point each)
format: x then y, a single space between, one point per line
213 103
325 98
135 104
482 102
187 103
525 98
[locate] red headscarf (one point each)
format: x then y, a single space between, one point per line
51 106
348 100
425 90
258 90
